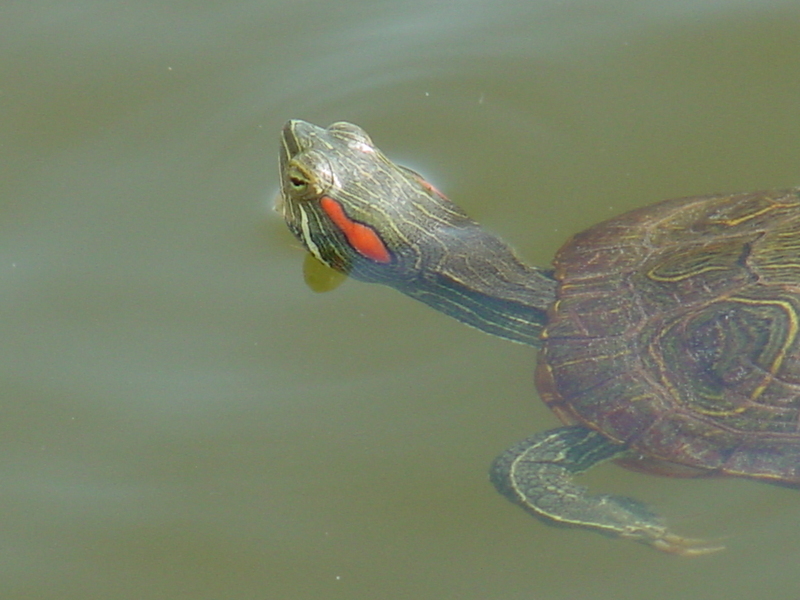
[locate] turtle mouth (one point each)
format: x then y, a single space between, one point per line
305 175
289 147
289 144
294 140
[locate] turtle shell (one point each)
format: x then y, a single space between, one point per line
676 332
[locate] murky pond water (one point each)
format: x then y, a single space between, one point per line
183 418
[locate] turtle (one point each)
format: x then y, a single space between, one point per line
668 337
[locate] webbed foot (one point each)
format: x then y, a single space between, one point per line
538 472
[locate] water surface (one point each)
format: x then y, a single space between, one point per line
183 418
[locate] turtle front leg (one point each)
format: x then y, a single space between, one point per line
537 473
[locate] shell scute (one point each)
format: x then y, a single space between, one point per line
677 331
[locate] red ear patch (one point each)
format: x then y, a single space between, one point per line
360 236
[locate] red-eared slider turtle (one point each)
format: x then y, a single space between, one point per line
668 336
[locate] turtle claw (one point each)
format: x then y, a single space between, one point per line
681 546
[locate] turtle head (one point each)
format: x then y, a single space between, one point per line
361 214
354 209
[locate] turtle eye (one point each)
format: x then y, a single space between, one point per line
307 177
298 180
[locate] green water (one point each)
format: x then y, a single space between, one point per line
183 418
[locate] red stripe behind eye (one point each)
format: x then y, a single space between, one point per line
360 236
